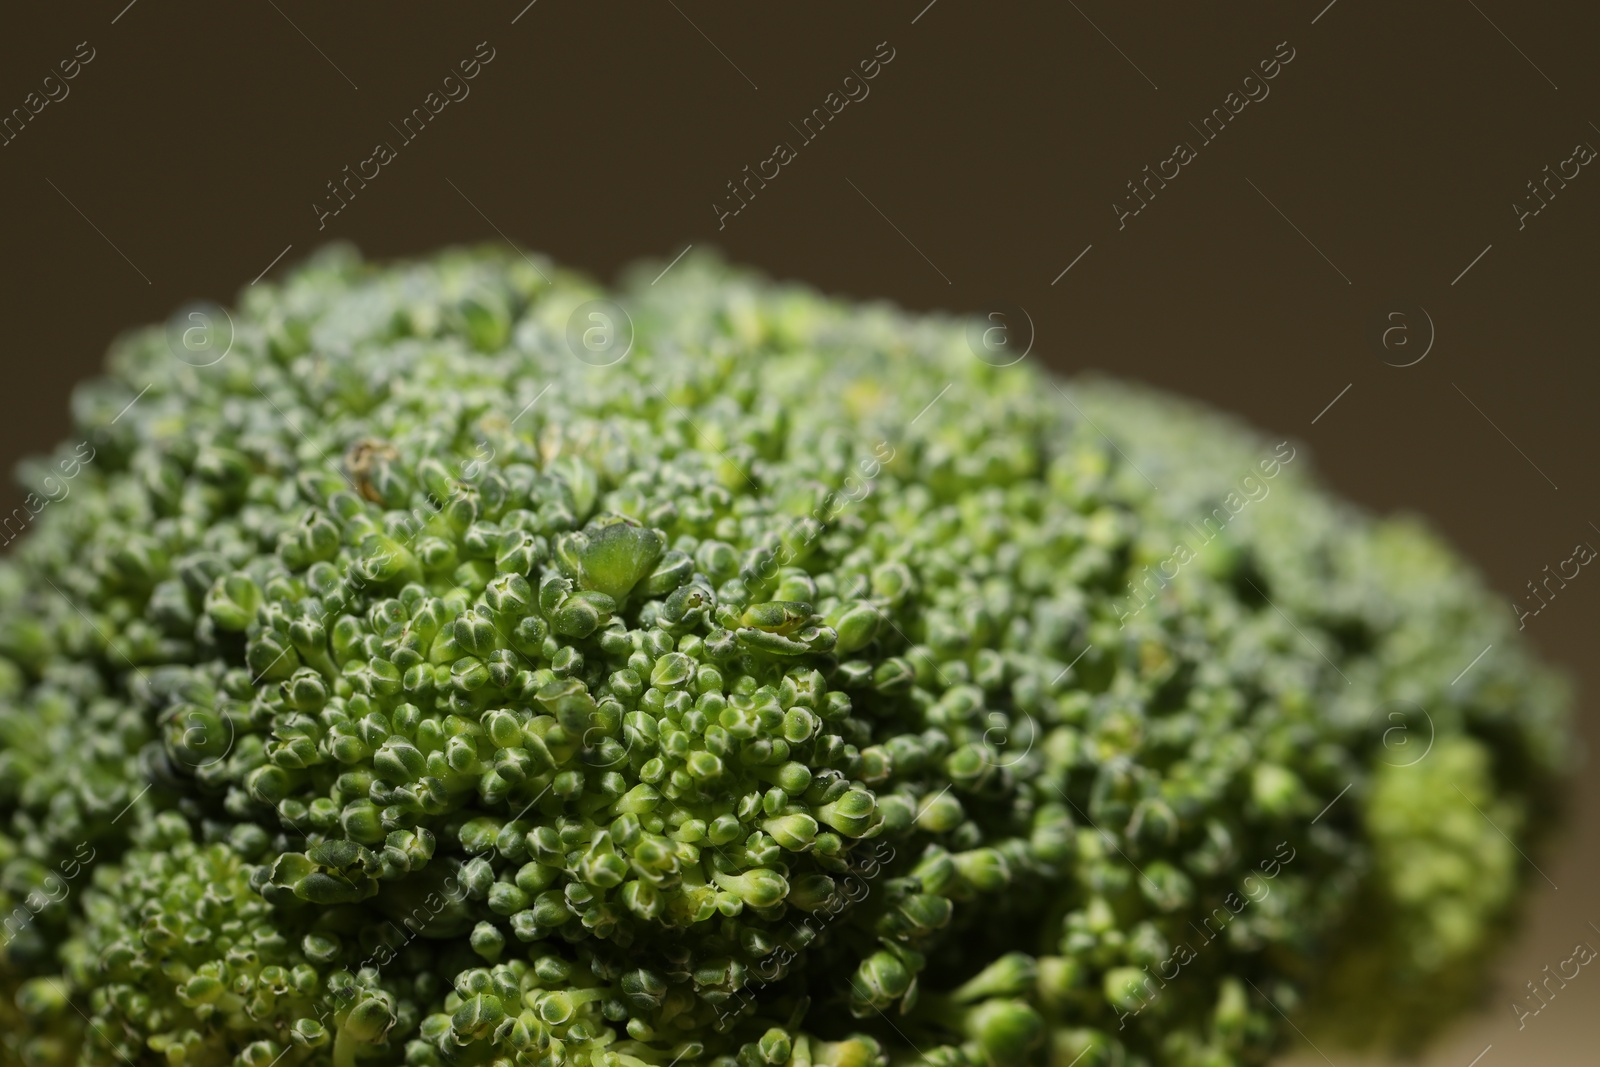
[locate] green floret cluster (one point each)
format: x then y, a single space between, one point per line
452 663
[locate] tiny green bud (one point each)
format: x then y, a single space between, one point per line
794 832
1009 976
643 899
671 670
1129 988
853 814
369 1021
812 892
611 558
488 942
759 887
940 813
775 1047
1276 790
856 624
477 1016
232 601
1006 1030
880 980
984 868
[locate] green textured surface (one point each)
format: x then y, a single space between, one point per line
798 688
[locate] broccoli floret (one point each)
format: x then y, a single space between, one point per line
469 667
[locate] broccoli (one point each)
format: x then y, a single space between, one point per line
469 667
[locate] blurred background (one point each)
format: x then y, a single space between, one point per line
1379 239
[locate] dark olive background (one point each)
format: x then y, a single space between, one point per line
190 150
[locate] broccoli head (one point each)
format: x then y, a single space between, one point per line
460 665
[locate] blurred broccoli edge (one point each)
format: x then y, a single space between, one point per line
406 591
1450 848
